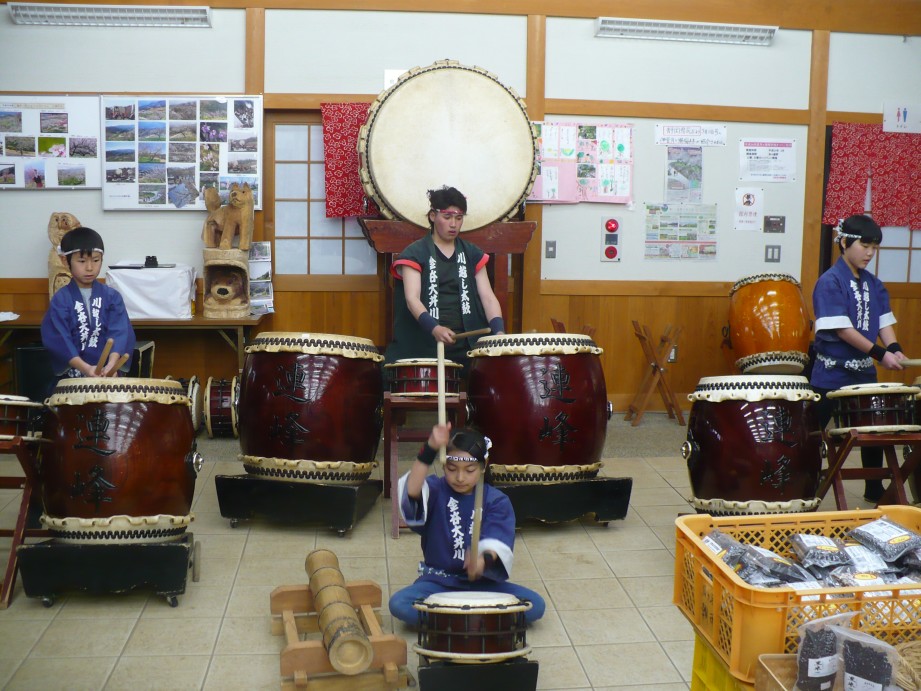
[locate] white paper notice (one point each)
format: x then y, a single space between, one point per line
764 160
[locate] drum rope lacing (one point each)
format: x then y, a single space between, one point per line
314 346
762 277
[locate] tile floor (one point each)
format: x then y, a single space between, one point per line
610 622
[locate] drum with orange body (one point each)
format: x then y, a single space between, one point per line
419 377
472 626
121 464
542 400
310 407
769 325
753 445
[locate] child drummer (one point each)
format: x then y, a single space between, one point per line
441 510
84 314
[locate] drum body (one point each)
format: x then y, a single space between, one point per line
753 445
419 377
220 407
482 143
769 325
310 406
883 407
120 464
472 626
541 399
20 417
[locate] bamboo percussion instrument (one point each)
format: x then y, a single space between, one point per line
105 356
347 645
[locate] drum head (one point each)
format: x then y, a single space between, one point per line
447 124
479 600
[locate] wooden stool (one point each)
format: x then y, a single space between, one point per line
840 446
26 454
395 409
656 376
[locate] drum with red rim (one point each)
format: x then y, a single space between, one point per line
310 407
472 626
874 407
419 377
753 445
121 464
220 407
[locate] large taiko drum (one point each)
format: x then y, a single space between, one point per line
472 626
448 124
874 407
541 398
20 417
310 407
753 445
121 464
419 377
220 407
769 325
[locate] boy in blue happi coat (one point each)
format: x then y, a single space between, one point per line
85 313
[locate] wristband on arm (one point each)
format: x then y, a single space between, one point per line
877 352
894 347
427 322
427 454
496 324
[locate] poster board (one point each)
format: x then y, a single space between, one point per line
161 152
49 142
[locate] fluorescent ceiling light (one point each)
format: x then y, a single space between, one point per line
612 27
109 15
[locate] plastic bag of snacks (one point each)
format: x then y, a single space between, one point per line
867 663
886 537
773 565
818 550
725 547
863 559
817 657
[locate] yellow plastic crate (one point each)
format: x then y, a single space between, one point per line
741 621
710 672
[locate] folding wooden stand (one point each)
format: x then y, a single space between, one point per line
656 376
26 453
305 664
395 409
840 446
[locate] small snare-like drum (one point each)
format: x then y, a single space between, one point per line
311 407
220 407
754 445
483 143
20 417
419 377
542 400
769 325
193 391
121 464
472 626
875 407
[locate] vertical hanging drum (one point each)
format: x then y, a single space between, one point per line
448 124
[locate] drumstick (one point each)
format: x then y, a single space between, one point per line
442 412
119 364
475 332
477 522
911 362
105 356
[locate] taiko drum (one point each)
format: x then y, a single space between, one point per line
311 396
753 445
472 626
221 407
769 325
541 399
419 377
874 407
121 462
20 417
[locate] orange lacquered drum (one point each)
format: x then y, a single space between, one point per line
310 407
419 377
472 626
769 325
121 464
483 143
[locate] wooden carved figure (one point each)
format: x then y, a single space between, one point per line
234 218
59 275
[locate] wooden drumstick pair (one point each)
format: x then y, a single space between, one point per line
105 356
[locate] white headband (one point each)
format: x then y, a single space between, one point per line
841 234
64 254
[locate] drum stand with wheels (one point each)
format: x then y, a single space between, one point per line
840 446
604 498
243 497
50 567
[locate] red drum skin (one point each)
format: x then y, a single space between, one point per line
300 406
473 633
108 459
548 410
768 450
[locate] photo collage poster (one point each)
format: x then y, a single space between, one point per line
162 152
49 142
